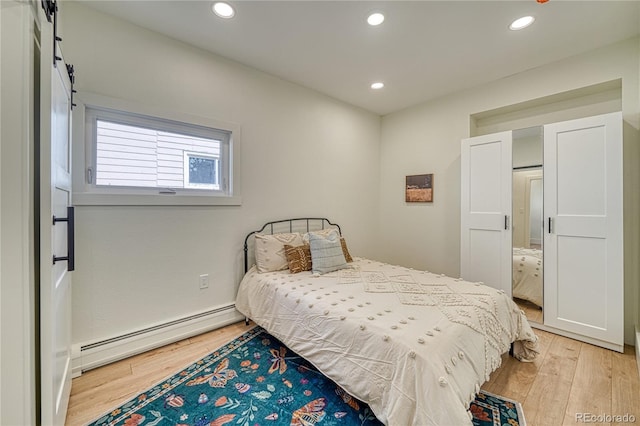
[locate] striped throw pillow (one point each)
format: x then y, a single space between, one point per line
326 253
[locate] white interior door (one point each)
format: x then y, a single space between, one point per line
56 229
486 210
583 242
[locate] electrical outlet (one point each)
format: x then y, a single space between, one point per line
204 281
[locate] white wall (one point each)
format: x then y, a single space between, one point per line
16 232
426 139
302 154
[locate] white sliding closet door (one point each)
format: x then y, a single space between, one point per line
583 242
486 210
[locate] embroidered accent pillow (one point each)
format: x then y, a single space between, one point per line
326 253
345 251
326 232
298 258
269 250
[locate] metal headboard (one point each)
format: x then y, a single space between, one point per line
294 225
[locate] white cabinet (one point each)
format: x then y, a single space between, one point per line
583 224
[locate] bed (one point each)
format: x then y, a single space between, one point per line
414 345
527 275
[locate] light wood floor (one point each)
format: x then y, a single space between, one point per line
567 378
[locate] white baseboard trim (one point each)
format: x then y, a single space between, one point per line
592 341
86 356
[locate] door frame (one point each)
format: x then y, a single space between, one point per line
19 21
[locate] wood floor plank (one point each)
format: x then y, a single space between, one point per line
546 402
99 376
165 364
514 378
625 393
86 406
591 387
219 337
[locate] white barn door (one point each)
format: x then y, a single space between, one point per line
56 236
486 181
583 239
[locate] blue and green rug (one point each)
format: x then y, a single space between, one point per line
257 380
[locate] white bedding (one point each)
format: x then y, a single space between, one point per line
413 345
527 275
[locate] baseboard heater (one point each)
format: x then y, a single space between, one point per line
96 354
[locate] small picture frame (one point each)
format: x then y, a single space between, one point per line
419 188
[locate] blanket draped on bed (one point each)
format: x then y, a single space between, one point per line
415 346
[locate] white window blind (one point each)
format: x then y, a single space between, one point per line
139 157
134 152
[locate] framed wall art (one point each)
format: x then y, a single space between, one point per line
419 188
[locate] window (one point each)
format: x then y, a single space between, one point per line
133 154
201 171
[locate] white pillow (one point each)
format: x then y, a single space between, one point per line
270 253
326 253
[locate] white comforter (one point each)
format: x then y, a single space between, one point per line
527 275
413 345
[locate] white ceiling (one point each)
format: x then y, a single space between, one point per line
423 50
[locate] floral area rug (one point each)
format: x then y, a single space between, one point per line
256 380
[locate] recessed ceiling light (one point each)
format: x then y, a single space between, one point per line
376 18
377 85
223 10
521 23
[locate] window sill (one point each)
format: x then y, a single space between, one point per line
92 199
